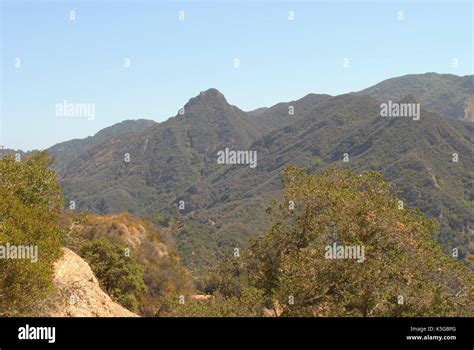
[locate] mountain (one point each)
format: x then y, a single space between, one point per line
151 168
284 113
66 152
165 159
224 205
16 152
416 157
446 94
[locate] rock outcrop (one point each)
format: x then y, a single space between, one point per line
79 293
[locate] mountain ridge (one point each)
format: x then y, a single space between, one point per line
175 161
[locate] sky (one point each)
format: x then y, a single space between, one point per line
132 60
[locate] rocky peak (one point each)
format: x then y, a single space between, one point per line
208 99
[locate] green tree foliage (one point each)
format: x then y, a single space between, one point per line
120 274
228 278
249 304
405 272
30 203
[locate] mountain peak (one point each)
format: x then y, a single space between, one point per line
211 92
208 98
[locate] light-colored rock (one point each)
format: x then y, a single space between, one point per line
201 297
79 293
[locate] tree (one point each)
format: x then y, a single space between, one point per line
227 277
30 204
404 271
120 274
249 304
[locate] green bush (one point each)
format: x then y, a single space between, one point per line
249 304
30 204
120 275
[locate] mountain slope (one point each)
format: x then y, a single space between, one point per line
225 204
164 159
284 113
65 152
415 157
68 151
442 93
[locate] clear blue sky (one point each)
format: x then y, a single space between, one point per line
172 60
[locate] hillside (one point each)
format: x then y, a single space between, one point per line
66 152
147 169
125 251
224 205
117 263
414 156
285 113
164 159
445 94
